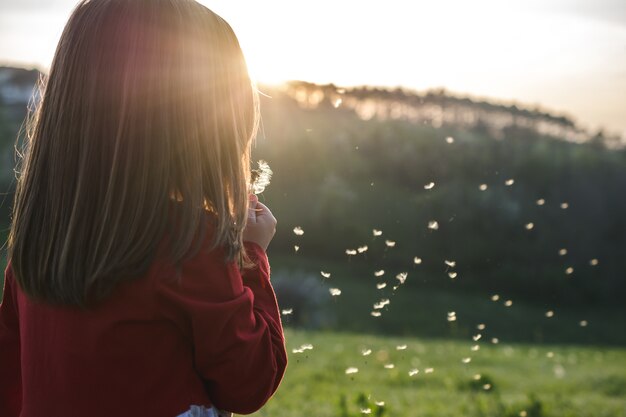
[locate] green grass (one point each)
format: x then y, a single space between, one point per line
536 381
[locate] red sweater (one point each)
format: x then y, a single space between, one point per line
153 348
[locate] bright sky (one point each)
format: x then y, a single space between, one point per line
569 56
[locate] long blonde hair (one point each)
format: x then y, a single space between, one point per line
147 102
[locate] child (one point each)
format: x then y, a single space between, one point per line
137 282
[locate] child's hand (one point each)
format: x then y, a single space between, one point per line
261 224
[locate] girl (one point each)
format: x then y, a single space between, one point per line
137 281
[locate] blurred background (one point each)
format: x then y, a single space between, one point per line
450 187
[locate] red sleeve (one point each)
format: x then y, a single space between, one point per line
10 364
233 321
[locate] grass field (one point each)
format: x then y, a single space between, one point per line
500 380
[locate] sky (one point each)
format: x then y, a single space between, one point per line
566 56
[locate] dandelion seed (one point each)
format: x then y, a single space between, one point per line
298 231
352 370
375 314
495 297
390 243
482 187
414 372
541 202
477 337
475 348
433 225
361 249
495 340
452 274
529 226
401 347
379 273
325 274
377 232
389 366
417 260
296 248
379 403
429 370
562 252
569 270
261 177
583 323
481 326
477 377
487 387
429 186
450 139
466 360
334 291
287 311
366 410
381 285
564 206
337 102
366 352
402 277
593 262
509 182
508 303
451 264
549 314
350 252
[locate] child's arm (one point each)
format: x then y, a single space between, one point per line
10 368
234 323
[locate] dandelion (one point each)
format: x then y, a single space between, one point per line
429 370
414 372
482 187
450 140
381 285
298 231
334 292
509 182
402 277
541 202
569 270
287 311
452 274
376 232
261 177
508 303
481 326
296 248
466 360
564 206
451 264
379 273
433 225
487 387
549 314
477 377
366 352
583 323
562 252
417 261
550 355
351 370
429 186
529 226
495 297
361 249
476 337
390 243
401 347
593 262
475 348
350 252
325 274
389 366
